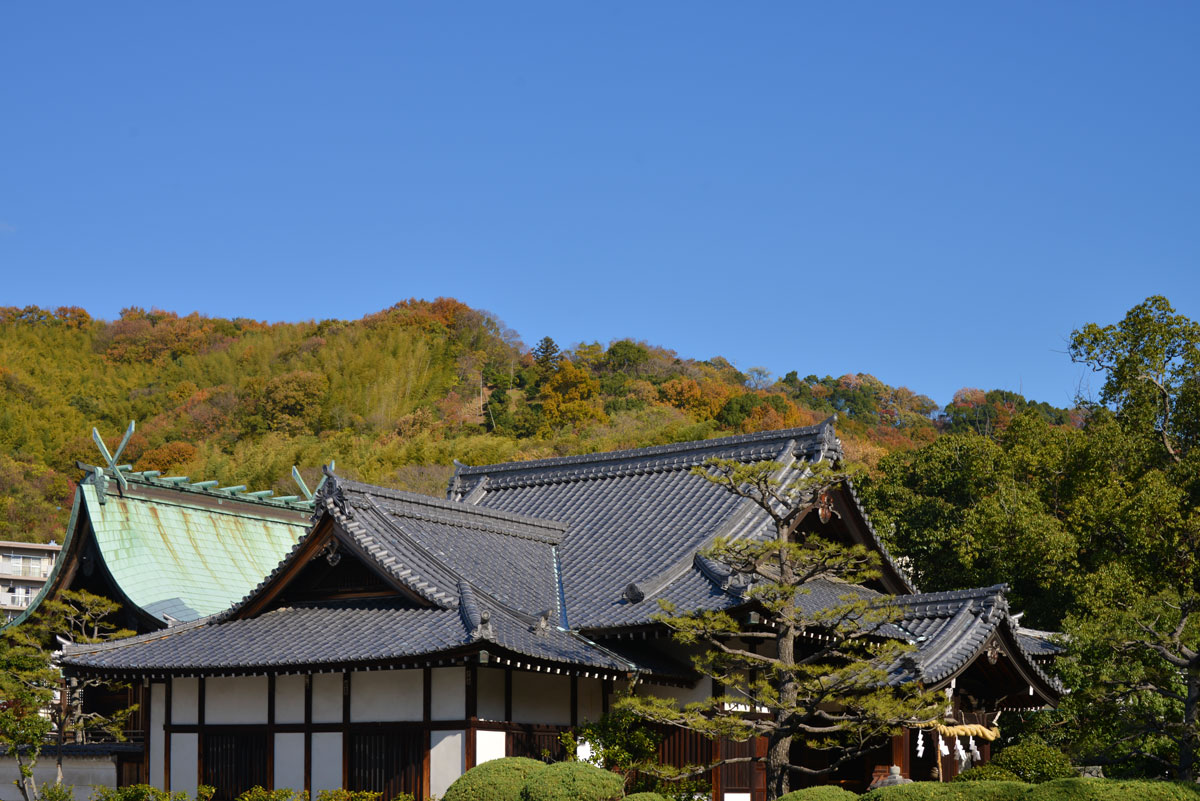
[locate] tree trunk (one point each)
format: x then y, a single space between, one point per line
27 786
779 744
779 757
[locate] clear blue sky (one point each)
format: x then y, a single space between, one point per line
936 193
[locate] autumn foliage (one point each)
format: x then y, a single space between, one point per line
394 397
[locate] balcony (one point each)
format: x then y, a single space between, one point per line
8 569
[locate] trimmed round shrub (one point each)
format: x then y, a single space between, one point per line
826 793
645 797
571 781
494 780
1035 762
950 791
987 773
1079 789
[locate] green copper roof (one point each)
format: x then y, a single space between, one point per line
187 554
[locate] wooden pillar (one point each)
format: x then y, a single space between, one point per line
508 679
426 716
574 701
200 731
308 733
346 729
270 731
898 751
167 736
716 772
146 690
472 713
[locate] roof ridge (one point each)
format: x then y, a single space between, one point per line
950 595
207 489
824 427
457 507
459 513
477 593
70 649
370 544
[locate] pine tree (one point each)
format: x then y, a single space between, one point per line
792 669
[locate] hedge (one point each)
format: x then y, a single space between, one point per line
645 797
1035 762
951 791
494 780
825 793
573 781
987 773
1077 789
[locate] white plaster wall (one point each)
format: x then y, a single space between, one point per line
158 695
449 689
82 772
387 695
234 699
289 700
541 698
685 695
591 699
489 745
326 762
489 699
327 698
289 760
185 696
447 755
183 761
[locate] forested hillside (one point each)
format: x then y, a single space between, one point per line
1092 515
393 397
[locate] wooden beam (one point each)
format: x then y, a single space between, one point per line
309 548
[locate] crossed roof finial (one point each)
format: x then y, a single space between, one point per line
111 459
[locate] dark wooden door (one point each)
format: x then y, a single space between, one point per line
387 762
234 763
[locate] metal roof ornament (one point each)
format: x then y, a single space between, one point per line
331 490
308 496
111 459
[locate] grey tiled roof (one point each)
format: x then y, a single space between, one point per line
951 628
609 534
1041 645
639 516
490 577
361 633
